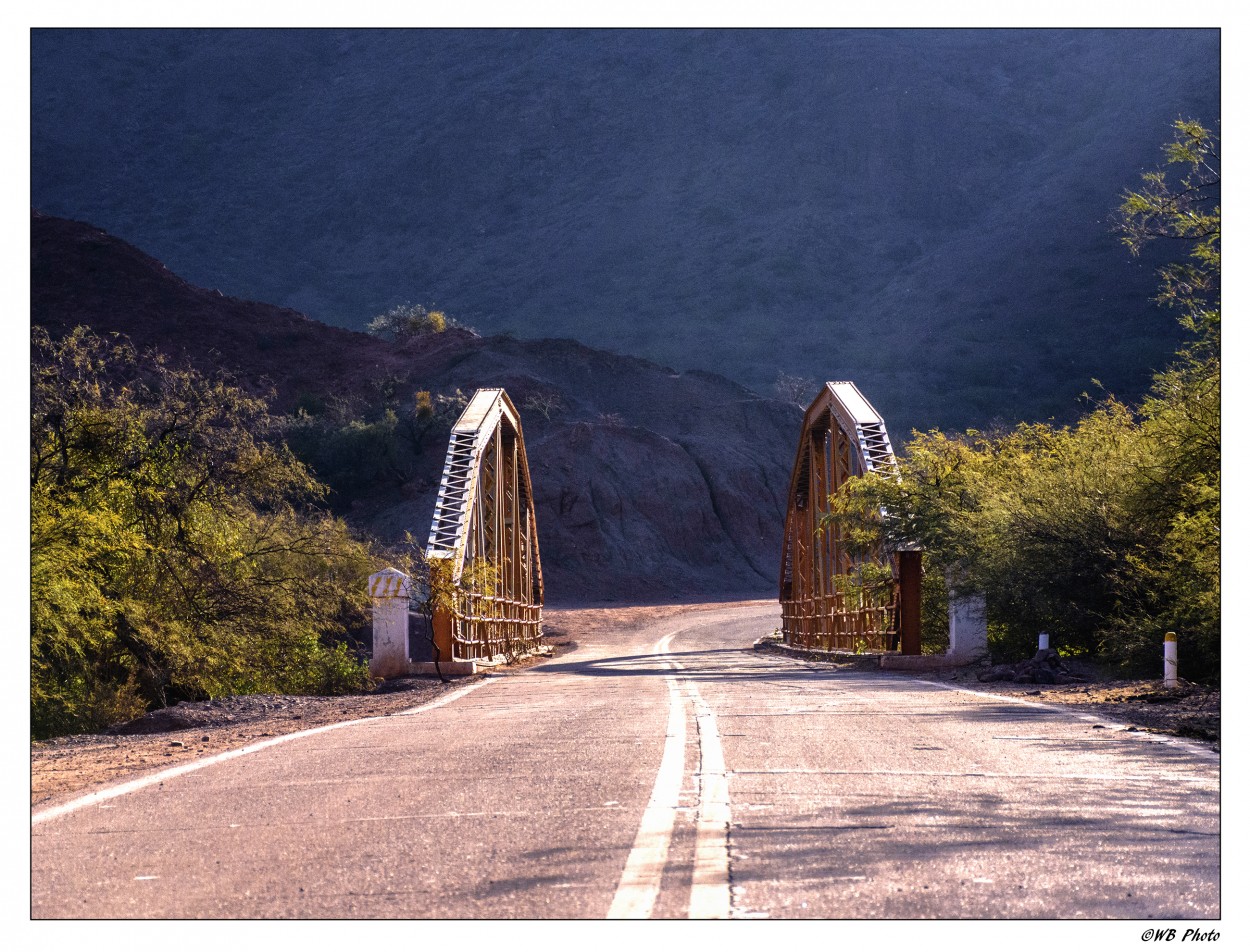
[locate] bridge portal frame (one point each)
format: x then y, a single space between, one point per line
823 606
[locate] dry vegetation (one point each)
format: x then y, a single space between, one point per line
1188 710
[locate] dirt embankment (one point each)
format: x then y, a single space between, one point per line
1188 710
648 482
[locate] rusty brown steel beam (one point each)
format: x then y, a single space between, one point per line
825 602
909 601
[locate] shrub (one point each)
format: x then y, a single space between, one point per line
176 553
405 321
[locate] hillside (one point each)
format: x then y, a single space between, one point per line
922 211
649 483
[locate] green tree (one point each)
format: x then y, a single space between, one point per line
1181 204
175 551
1104 533
1180 493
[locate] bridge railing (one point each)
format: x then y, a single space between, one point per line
486 626
863 621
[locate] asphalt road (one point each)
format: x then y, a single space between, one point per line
670 772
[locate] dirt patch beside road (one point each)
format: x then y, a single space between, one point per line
166 738
1189 710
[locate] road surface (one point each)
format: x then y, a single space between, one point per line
666 772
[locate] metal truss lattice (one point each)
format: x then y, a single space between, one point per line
831 598
483 541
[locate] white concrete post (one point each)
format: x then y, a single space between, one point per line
389 589
969 633
1043 641
1169 660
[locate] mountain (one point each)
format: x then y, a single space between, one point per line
648 483
922 211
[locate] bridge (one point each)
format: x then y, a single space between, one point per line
484 588
832 596
484 583
661 768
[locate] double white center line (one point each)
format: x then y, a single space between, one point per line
644 869
709 889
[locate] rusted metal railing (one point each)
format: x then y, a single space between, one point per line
484 626
867 622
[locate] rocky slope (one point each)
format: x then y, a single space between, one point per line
649 483
924 211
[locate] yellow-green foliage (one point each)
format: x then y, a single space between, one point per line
1105 533
175 553
1185 209
409 320
434 584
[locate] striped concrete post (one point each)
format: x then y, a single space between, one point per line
389 590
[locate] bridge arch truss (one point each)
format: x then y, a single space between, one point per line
831 597
485 569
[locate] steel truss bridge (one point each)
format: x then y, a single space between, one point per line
486 575
831 598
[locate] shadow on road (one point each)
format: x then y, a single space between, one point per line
907 827
654 665
745 666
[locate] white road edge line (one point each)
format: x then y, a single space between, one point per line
99 796
1193 746
639 886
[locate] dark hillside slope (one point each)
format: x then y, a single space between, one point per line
649 483
922 211
82 275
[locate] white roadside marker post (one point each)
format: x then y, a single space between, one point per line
1169 660
1043 641
389 590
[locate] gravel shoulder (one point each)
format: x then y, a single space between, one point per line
1188 710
